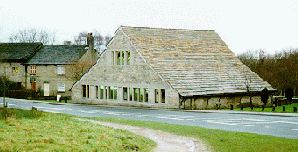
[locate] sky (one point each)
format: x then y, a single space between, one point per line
271 25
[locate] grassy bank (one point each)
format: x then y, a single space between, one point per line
279 109
39 131
217 139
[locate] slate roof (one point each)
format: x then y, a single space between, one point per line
193 62
19 52
58 54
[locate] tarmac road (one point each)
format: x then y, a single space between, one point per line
285 125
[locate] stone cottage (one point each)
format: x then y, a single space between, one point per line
54 69
168 68
13 56
47 69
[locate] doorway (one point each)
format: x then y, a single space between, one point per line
46 89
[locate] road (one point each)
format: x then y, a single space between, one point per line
259 124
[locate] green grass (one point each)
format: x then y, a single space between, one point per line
40 131
279 109
219 140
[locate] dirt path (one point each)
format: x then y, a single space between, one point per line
166 142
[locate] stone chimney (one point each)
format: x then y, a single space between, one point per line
90 41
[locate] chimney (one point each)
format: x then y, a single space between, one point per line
90 41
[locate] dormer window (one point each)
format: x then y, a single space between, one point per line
120 58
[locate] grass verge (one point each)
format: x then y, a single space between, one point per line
218 140
40 131
279 109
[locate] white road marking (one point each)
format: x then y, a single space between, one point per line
248 125
295 129
143 115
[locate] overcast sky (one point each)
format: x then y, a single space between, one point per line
244 25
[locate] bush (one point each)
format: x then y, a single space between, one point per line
289 94
12 90
264 95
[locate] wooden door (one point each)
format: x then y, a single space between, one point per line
33 86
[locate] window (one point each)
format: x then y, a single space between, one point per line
15 70
120 57
96 92
125 93
110 90
146 95
141 95
102 92
61 87
131 94
156 95
128 58
85 91
33 69
136 94
115 92
160 96
61 70
163 96
106 92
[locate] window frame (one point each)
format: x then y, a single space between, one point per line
120 57
60 70
15 69
61 88
33 69
125 93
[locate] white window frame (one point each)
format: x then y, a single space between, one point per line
33 69
60 70
61 87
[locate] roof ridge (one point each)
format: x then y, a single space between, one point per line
144 27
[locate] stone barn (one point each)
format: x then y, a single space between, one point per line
168 68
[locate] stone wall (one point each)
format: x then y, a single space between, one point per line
18 76
48 74
136 75
225 102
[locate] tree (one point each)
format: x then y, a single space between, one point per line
31 36
264 96
289 94
81 39
279 69
107 39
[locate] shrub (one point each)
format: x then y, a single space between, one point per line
12 90
264 95
289 94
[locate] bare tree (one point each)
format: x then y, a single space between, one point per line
31 36
99 40
81 39
107 39
76 71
